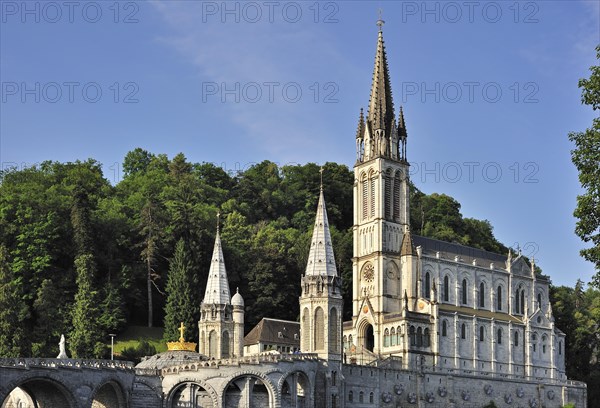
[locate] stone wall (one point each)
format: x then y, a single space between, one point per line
392 388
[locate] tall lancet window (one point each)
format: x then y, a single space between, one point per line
388 194
397 196
333 331
319 329
365 197
372 181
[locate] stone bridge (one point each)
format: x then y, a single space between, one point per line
65 383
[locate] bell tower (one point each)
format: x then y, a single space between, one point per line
221 325
381 207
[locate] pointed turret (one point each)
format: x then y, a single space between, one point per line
217 286
401 125
361 125
407 247
321 261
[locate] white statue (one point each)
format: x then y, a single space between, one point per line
61 347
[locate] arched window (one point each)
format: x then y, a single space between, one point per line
345 340
426 339
306 328
464 292
333 377
499 298
516 339
560 348
397 196
539 298
386 338
444 328
499 336
350 341
319 329
544 344
225 345
372 192
481 294
481 333
365 197
371 398
419 337
334 331
393 336
350 396
463 331
398 335
388 194
522 302
446 288
361 397
413 339
517 301
427 286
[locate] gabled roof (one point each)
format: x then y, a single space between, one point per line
274 331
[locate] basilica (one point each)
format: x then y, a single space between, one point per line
434 324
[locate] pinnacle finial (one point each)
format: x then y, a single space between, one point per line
380 21
218 220
321 170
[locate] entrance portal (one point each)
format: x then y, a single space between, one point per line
369 338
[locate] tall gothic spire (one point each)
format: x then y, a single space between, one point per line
381 106
217 286
321 261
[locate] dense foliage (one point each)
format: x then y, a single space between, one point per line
586 157
90 258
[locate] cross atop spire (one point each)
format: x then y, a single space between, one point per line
321 170
380 21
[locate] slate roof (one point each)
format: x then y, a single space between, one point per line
267 331
449 250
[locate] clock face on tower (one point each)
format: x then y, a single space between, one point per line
369 273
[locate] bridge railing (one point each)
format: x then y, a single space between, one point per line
28 363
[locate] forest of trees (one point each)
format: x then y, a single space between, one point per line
86 258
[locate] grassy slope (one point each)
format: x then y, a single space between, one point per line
134 334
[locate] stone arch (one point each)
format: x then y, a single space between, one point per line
366 335
244 382
295 389
198 389
109 394
43 391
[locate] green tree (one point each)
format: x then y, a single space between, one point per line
85 334
13 312
586 157
181 305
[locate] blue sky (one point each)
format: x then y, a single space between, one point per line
489 91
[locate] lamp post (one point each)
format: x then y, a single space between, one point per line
112 345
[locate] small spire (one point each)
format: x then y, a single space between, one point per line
321 260
218 220
361 125
402 125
